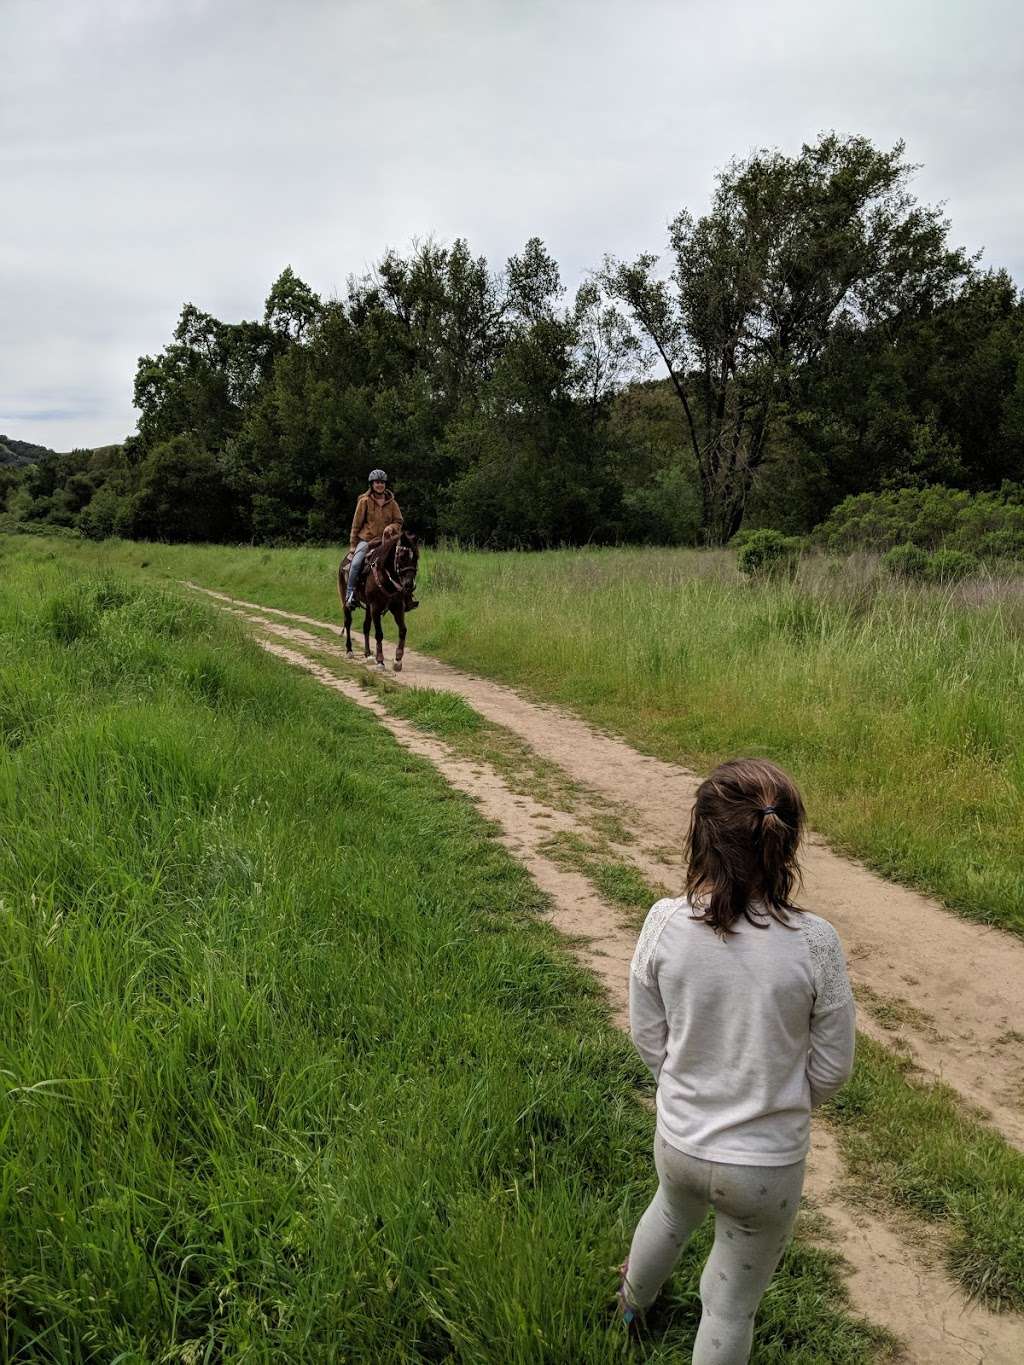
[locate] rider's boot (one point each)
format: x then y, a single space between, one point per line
411 604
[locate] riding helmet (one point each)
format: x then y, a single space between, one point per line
376 474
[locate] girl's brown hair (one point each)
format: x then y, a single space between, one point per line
742 844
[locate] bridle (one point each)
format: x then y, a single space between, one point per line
405 573
400 577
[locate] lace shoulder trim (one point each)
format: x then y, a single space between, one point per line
657 917
828 965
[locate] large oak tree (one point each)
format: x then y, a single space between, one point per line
793 249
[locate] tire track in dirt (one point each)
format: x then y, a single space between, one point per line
950 992
890 1281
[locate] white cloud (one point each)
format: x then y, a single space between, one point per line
155 151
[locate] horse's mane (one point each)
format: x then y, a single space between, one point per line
388 550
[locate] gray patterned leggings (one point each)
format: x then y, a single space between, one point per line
754 1211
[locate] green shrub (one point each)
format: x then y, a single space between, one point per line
11 526
106 515
1003 544
944 566
932 518
907 561
742 538
768 554
950 566
662 510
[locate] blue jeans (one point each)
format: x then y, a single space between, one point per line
356 568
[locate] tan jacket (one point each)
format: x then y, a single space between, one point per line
372 517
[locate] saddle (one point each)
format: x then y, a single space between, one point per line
373 557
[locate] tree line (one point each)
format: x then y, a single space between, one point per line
816 336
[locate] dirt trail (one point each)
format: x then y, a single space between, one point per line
951 992
601 940
900 1284
891 1282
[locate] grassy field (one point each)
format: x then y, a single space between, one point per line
912 1143
897 709
290 1071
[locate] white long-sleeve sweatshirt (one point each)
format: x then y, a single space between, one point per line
744 1035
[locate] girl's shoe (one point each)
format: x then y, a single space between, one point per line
632 1317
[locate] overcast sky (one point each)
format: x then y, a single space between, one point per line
154 152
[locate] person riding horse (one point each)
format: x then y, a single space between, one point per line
377 514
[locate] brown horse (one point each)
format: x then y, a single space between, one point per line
387 584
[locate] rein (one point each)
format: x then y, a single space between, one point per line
385 571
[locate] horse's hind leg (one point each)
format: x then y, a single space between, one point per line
399 614
366 634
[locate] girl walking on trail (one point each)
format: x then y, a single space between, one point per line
741 1006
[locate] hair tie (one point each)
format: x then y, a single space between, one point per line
768 810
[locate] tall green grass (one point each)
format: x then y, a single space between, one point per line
897 708
288 1069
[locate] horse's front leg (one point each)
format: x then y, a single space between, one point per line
366 633
348 632
398 612
378 627
346 610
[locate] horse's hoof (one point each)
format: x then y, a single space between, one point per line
349 654
382 665
398 667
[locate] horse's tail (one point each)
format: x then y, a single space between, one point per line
341 584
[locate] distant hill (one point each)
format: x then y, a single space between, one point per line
22 452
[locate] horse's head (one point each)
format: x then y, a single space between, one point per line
407 558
